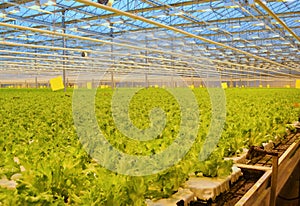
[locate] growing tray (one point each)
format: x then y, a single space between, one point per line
236 192
289 156
199 187
252 188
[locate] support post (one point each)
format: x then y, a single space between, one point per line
172 79
274 179
146 80
248 80
192 78
111 54
146 61
112 80
64 51
260 81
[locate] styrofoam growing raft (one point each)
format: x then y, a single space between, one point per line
199 187
256 186
206 188
261 192
248 185
182 197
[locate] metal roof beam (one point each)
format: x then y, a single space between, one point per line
195 24
51 48
134 11
251 8
133 16
30 20
7 5
271 13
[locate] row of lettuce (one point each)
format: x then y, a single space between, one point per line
37 129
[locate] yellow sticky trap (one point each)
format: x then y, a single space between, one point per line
260 86
268 86
102 86
287 86
57 83
156 86
192 86
89 85
224 85
75 86
297 84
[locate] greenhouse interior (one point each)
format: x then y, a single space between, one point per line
150 102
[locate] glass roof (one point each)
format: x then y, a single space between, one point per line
235 37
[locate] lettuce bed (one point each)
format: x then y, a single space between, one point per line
37 129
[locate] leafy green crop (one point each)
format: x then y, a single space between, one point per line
37 128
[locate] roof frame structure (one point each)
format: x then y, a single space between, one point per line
231 35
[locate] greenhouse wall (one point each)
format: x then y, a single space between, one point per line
152 83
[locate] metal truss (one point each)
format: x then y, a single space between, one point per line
237 37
